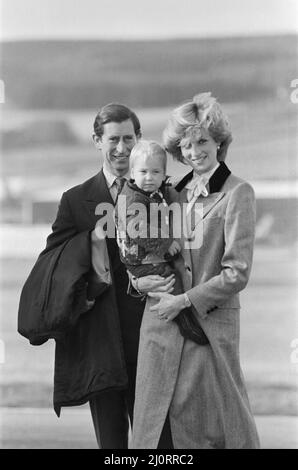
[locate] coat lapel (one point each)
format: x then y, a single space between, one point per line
187 276
96 192
210 201
218 178
184 181
216 182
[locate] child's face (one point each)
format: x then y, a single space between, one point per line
148 172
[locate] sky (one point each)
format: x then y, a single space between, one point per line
145 19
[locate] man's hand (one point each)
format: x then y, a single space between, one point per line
154 283
168 306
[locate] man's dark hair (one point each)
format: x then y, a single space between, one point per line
114 112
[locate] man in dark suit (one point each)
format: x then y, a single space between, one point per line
96 361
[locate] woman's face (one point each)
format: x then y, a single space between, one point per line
199 150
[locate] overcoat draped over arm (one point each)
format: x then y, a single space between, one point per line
56 292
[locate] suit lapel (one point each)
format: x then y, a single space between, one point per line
185 252
184 181
210 201
218 178
96 192
216 182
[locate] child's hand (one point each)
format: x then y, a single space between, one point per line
174 248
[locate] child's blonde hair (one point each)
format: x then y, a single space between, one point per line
148 148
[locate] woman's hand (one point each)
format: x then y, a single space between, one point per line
154 283
174 248
168 306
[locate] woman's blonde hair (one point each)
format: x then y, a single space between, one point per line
203 111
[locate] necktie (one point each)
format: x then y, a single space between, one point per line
119 182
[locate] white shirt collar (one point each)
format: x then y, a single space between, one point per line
110 178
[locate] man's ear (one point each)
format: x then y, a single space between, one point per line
139 136
97 141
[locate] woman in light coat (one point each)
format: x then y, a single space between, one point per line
190 396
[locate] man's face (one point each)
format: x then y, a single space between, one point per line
116 143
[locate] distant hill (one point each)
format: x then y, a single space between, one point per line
84 74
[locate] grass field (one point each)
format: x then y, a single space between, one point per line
269 325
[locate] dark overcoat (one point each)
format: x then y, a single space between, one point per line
91 356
